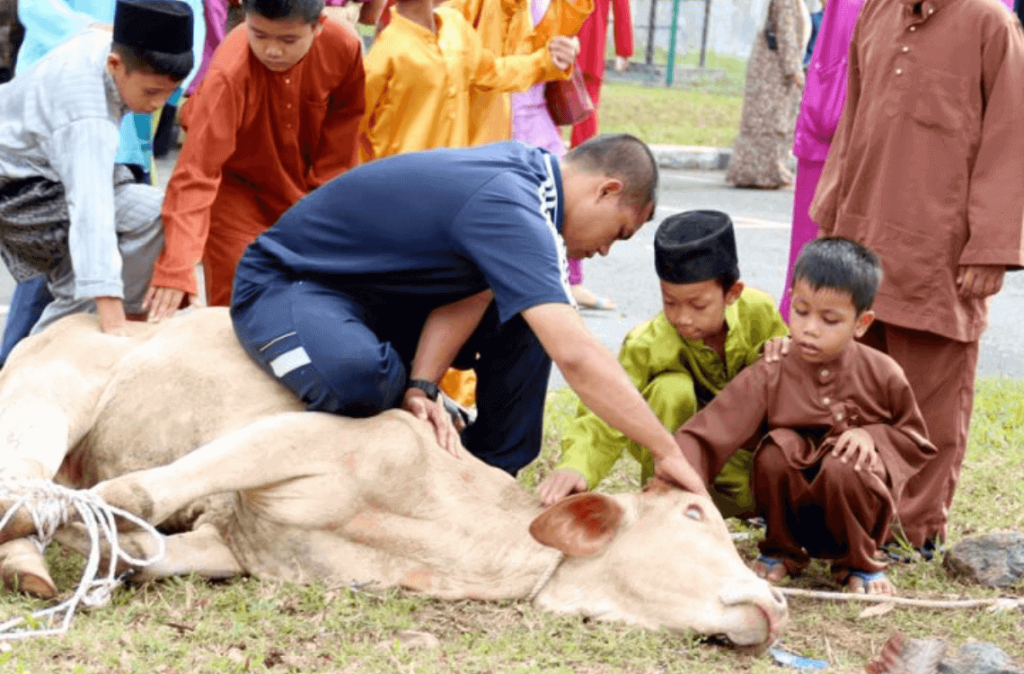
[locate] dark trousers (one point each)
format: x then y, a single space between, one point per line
350 354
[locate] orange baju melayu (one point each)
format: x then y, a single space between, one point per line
258 141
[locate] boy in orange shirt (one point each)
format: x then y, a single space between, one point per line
276 117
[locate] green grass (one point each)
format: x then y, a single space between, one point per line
659 115
188 625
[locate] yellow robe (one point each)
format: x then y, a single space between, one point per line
506 28
418 83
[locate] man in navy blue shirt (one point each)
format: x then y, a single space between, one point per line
366 291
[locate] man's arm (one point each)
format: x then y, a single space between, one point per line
445 332
603 386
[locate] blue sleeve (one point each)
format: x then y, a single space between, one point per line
507 233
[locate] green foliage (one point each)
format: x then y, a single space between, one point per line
186 625
671 116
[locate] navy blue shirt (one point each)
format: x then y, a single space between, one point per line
442 225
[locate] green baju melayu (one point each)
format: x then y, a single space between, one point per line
678 376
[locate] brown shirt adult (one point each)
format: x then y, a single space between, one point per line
927 167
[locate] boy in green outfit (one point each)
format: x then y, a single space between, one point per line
711 327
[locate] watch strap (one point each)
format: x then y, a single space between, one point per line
428 387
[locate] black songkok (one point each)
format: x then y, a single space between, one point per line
163 26
695 246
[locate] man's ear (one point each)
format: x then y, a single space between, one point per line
611 187
863 322
734 292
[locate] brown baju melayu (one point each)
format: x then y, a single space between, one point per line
814 504
927 169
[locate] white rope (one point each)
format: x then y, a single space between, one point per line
51 507
1000 603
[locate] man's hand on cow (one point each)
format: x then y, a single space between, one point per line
162 302
563 51
775 348
559 484
976 281
434 413
112 318
675 469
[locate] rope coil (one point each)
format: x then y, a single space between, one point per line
52 506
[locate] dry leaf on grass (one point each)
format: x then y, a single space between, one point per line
877 610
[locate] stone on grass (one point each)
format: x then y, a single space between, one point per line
979 658
995 560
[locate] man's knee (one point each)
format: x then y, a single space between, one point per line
672 397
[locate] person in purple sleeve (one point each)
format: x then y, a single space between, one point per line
820 109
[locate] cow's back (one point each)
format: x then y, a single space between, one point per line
188 384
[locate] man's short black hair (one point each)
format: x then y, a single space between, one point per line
836 263
175 66
303 10
622 156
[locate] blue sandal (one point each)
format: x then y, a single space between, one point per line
770 564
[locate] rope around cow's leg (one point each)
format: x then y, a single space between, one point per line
51 506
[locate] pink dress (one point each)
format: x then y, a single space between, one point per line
820 110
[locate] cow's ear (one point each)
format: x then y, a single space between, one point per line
580 525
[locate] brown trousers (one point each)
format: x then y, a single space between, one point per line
826 511
941 373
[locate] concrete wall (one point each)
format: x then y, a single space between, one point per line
731 31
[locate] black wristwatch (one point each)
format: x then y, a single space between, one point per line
428 387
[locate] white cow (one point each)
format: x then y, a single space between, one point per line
316 496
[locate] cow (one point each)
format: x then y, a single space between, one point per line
176 414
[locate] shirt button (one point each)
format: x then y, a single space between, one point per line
931 11
905 50
287 80
289 106
839 416
913 28
826 401
824 372
899 71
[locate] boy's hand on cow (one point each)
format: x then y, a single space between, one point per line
775 348
559 484
112 318
434 413
857 445
162 302
563 51
976 281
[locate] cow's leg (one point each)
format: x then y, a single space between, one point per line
201 551
34 436
264 453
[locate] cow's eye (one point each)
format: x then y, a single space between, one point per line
695 512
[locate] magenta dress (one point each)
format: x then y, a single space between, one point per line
532 124
820 110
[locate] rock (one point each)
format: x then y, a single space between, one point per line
995 560
979 658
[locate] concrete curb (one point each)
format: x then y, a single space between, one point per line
691 157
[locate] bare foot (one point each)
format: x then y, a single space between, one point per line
772 569
867 582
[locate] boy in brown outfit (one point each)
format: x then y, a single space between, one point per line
842 432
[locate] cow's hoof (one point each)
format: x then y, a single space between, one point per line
23 570
19 526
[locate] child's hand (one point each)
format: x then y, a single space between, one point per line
775 348
112 318
857 445
162 302
559 484
563 51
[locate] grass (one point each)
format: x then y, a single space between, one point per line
247 625
670 116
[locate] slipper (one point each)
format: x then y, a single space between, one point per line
599 303
856 581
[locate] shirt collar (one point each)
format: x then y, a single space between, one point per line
926 5
117 104
556 173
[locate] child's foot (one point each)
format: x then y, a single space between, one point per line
772 569
855 581
588 300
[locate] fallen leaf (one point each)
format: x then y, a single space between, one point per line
877 610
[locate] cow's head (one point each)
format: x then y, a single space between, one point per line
657 559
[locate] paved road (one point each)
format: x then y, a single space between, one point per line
762 221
